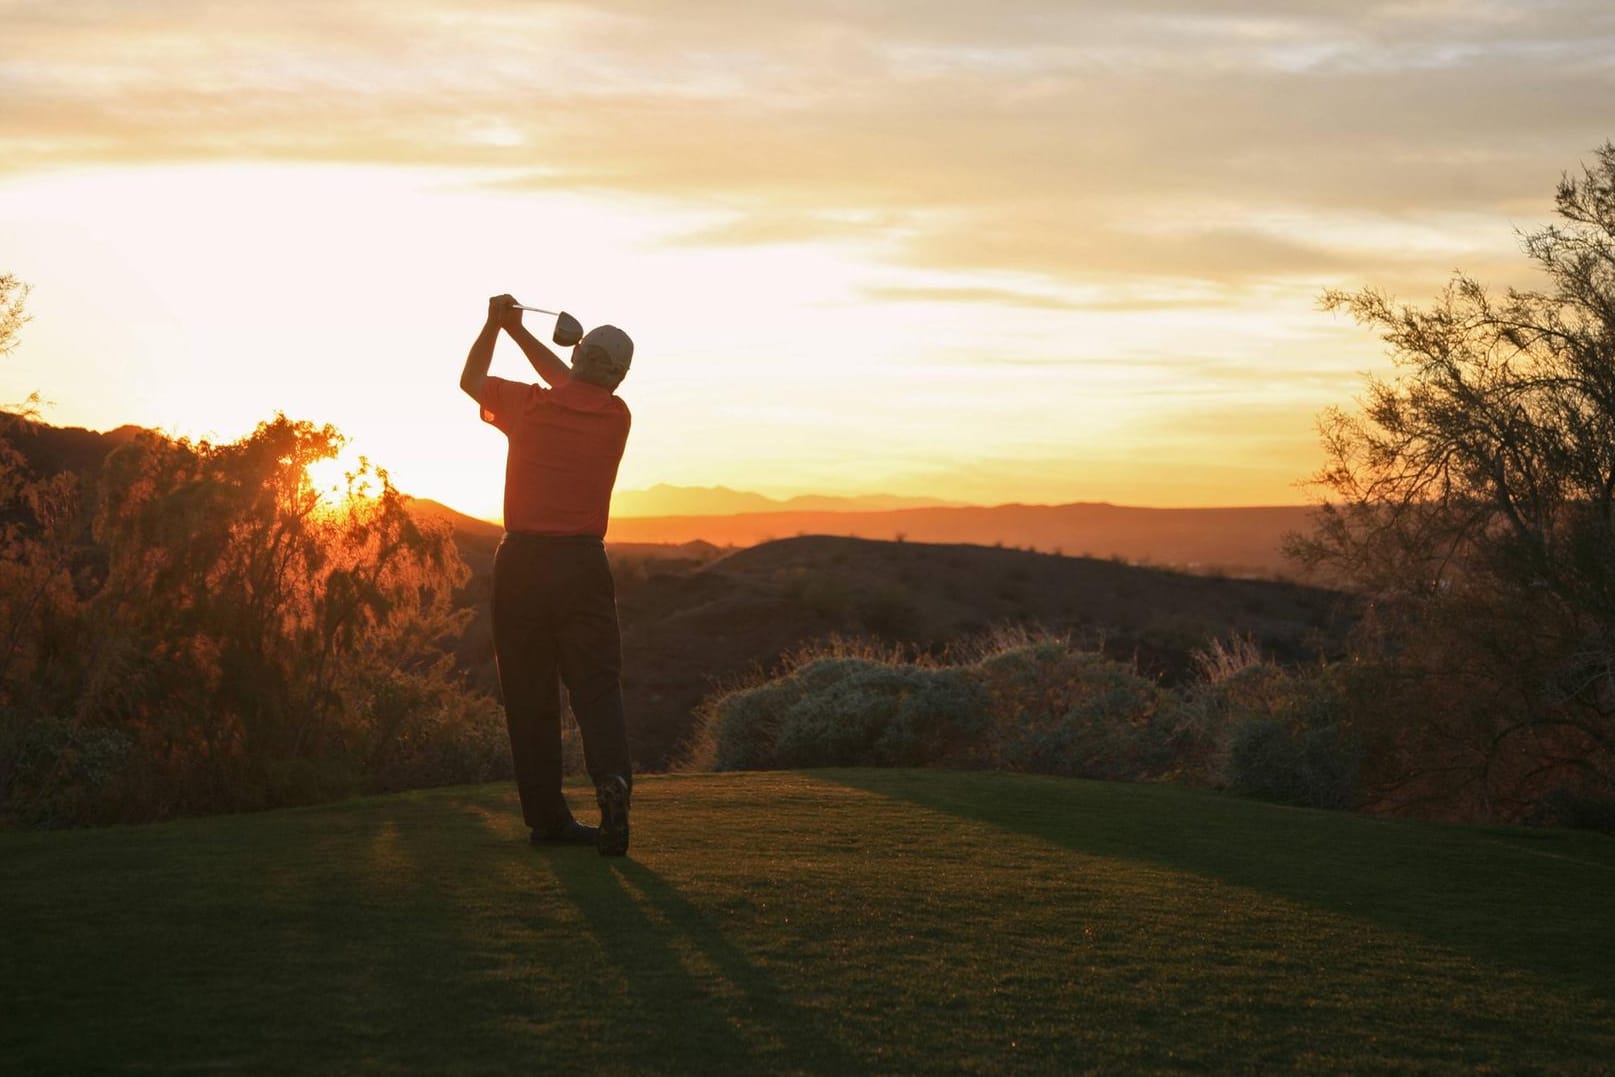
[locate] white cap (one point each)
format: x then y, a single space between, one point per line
616 350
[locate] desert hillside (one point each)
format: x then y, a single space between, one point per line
686 632
696 616
1231 540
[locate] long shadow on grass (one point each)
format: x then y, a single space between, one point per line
557 958
1536 901
695 994
416 933
402 947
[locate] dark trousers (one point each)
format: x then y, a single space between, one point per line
554 621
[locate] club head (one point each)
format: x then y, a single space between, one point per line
567 330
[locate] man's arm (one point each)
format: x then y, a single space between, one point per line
550 366
480 356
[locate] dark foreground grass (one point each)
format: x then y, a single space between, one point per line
835 922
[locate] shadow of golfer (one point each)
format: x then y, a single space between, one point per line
693 993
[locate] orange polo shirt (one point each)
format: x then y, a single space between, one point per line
565 445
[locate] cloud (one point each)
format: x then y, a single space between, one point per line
996 297
1042 137
1118 300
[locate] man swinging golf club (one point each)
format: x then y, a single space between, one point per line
554 603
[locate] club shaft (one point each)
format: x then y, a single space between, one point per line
538 310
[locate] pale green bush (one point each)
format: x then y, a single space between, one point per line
746 723
1289 736
1028 701
1023 701
878 715
1316 767
1059 710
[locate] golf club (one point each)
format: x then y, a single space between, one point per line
567 329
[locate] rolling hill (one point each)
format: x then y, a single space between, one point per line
686 632
1231 540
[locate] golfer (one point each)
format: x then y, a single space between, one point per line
554 603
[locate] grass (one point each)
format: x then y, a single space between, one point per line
829 921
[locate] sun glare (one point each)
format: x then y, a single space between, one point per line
340 477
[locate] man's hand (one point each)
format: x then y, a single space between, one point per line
480 357
502 311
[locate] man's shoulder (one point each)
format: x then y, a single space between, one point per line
585 397
520 394
518 386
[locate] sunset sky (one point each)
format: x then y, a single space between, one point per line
1020 250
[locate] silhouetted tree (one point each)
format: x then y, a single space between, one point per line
37 518
1472 494
13 296
198 629
244 620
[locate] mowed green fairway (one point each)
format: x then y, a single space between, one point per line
829 921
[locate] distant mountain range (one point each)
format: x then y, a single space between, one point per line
666 500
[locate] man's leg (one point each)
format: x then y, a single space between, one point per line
591 665
590 645
525 652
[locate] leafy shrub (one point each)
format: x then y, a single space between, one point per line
1315 767
59 773
198 630
942 721
1289 735
837 724
427 733
1025 700
751 722
747 725
735 727
1019 700
459 742
1579 811
877 715
1058 710
1235 686
1261 730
